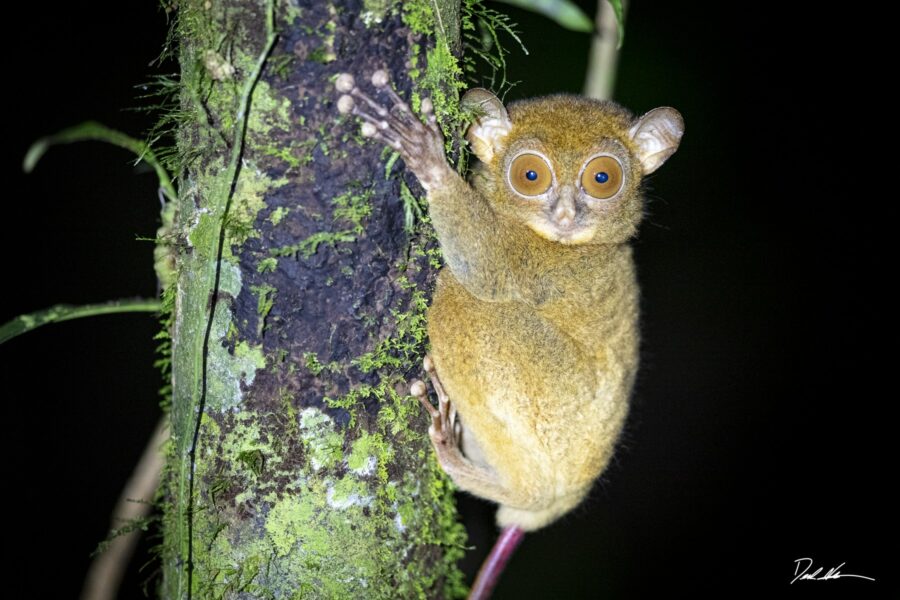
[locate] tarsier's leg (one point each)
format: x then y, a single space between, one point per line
420 144
444 435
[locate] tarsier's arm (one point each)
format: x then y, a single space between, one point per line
471 234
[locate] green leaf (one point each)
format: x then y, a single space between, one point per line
65 312
564 12
620 19
91 130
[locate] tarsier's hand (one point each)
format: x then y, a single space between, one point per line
421 145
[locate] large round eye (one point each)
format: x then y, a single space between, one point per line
529 174
602 177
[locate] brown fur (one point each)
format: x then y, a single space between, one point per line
536 342
534 323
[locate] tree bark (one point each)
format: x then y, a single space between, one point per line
299 465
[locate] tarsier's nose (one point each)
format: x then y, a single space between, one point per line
564 211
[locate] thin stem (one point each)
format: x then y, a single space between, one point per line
105 574
91 130
66 312
604 56
495 563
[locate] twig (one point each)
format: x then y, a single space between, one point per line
495 563
106 571
604 56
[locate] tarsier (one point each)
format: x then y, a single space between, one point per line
534 321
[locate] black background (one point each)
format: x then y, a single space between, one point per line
762 417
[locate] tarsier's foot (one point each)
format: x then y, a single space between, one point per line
445 434
443 430
420 144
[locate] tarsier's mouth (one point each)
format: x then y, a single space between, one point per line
574 233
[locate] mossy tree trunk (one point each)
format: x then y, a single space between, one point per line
299 466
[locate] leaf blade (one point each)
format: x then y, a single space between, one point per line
563 12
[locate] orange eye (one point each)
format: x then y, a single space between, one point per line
602 177
529 174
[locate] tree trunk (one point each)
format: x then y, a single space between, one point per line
299 464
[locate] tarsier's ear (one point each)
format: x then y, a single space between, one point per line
657 135
489 125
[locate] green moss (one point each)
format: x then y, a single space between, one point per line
288 413
254 460
341 521
269 111
435 258
312 363
278 214
163 250
408 340
418 15
352 398
442 78
309 246
442 82
204 233
227 371
164 347
415 66
284 153
353 207
128 526
316 368
413 208
374 11
291 12
282 65
265 301
400 504
248 200
267 265
347 492
324 139
322 55
341 555
245 351
306 149
323 445
370 451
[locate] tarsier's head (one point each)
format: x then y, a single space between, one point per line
570 167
